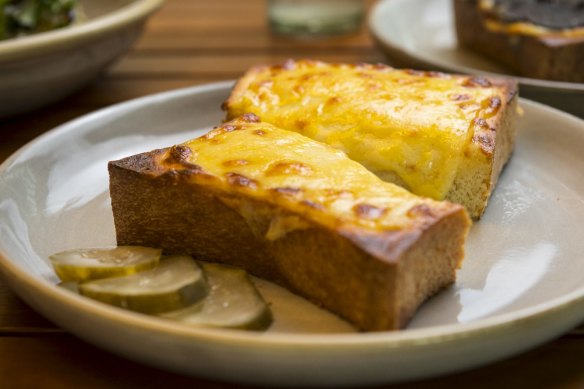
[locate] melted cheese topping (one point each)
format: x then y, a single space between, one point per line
296 173
408 127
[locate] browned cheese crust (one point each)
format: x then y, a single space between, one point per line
374 278
548 56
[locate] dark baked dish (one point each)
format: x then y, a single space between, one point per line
535 38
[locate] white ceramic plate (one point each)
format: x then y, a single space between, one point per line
421 34
521 284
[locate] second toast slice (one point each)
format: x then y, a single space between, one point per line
437 135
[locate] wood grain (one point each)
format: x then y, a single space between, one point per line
62 361
16 318
192 42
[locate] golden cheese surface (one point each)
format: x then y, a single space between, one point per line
405 126
296 173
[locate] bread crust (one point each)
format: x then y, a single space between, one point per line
376 279
492 145
544 56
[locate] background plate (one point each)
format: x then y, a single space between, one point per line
521 283
421 34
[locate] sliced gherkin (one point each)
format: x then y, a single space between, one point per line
175 283
233 302
82 265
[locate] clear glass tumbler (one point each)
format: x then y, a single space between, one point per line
304 18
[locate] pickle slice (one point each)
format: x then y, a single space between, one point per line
233 302
91 264
177 282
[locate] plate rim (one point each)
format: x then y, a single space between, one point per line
393 49
382 339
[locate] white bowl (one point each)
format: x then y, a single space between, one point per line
43 68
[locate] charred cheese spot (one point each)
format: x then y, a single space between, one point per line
179 153
229 128
435 74
212 134
459 97
236 179
259 132
289 168
493 105
368 211
287 190
421 210
413 72
178 158
473 82
250 118
481 123
486 141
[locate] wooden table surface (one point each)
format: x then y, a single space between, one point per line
190 42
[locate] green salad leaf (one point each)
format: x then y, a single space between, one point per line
24 17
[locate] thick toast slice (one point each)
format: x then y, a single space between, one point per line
437 135
296 212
